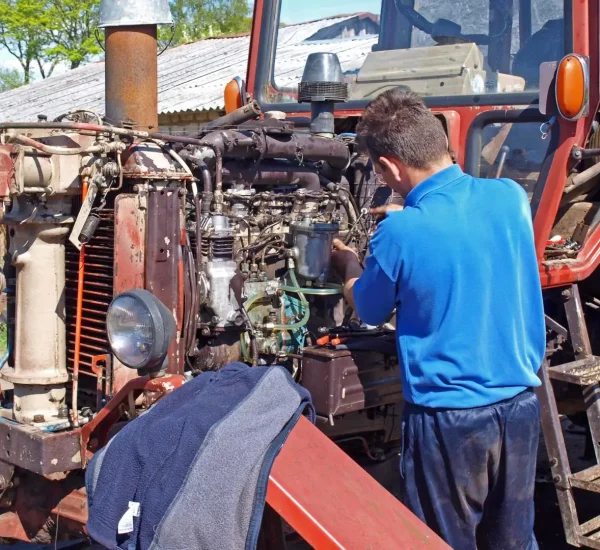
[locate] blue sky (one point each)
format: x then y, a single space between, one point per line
295 11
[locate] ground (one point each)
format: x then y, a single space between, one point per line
548 526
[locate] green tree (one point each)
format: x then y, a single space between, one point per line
23 25
10 79
198 19
71 30
48 32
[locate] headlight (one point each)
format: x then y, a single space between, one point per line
140 329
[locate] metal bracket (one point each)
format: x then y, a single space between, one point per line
84 214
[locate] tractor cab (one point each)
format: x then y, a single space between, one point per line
465 57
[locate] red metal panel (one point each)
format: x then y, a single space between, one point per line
7 170
130 245
569 271
334 504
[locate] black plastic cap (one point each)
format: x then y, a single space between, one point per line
322 80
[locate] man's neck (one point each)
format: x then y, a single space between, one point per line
415 176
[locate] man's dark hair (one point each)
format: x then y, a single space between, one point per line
398 124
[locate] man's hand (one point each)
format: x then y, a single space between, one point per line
380 211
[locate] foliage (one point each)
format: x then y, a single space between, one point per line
10 79
71 30
198 19
22 33
48 32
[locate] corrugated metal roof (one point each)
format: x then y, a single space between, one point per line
191 77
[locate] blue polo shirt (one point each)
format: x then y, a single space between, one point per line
459 265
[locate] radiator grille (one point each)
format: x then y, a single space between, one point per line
97 294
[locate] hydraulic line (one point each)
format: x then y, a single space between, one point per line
51 150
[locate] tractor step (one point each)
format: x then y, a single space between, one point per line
588 480
584 372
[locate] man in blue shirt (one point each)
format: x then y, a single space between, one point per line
458 265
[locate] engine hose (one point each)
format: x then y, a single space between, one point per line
303 300
332 291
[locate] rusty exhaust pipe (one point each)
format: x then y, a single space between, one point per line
131 69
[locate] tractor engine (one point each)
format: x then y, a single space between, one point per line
231 231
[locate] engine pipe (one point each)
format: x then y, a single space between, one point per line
295 147
237 117
229 143
272 173
132 75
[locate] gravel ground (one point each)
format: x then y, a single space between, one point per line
548 525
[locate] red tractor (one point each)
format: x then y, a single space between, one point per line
231 229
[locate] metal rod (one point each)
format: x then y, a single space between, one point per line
78 318
49 149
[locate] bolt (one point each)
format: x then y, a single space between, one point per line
578 349
136 188
553 462
566 294
205 331
556 479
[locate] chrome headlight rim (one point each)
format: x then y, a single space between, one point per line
162 326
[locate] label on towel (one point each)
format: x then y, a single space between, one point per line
126 522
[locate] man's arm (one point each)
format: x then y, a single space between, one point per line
371 293
346 263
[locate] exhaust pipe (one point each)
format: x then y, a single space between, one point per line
131 80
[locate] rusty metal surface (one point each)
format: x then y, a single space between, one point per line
46 453
73 506
333 503
580 341
131 84
129 261
94 435
148 161
39 451
340 382
11 527
7 170
40 504
583 372
164 261
557 455
215 353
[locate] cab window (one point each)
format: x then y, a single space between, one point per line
437 48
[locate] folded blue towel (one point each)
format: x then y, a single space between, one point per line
192 472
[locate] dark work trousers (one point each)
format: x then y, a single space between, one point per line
470 473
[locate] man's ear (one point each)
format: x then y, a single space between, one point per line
392 166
